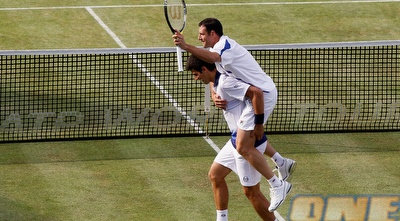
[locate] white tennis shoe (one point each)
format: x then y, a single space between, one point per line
278 195
285 171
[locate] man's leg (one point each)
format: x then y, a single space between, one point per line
245 147
285 166
217 176
270 150
259 202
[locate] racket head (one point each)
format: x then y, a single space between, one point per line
175 13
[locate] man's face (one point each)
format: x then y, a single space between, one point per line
205 37
197 75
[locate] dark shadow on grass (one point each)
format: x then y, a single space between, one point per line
16 211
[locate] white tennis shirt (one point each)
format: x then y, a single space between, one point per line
236 61
234 92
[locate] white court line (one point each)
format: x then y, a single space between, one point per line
295 3
105 27
154 81
204 5
278 216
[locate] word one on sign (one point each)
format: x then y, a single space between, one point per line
345 208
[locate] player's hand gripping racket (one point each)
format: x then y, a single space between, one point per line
175 14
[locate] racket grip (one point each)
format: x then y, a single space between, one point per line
207 97
179 57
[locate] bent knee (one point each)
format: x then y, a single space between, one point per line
242 150
216 176
212 175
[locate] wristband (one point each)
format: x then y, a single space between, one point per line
259 119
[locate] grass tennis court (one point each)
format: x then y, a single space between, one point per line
166 178
51 24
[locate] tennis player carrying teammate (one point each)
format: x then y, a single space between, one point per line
238 96
233 60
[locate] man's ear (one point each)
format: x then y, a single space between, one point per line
203 69
212 33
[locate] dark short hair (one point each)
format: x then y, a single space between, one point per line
212 24
195 63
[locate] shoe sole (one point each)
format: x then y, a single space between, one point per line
280 203
291 170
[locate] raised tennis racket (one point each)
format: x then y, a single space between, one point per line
175 14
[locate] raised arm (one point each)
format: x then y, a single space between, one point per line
203 54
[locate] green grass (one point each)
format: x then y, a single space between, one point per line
166 178
145 26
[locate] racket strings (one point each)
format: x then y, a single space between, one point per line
176 16
175 12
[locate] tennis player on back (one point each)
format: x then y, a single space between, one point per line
238 106
233 60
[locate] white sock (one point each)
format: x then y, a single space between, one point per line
222 215
278 159
275 182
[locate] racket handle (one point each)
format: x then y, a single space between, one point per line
179 57
207 97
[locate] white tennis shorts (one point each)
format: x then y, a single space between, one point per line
230 158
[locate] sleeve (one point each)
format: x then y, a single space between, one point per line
224 49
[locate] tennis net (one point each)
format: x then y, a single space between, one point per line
104 93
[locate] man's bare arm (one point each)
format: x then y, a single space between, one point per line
203 54
256 96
